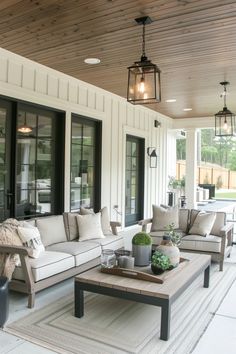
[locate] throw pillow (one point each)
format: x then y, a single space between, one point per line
202 224
30 237
84 211
162 217
89 226
105 220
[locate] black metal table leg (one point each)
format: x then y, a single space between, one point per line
206 277
165 320
79 301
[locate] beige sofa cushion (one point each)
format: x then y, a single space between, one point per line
111 242
89 226
193 215
105 220
51 229
209 243
183 219
202 224
71 226
162 217
220 222
48 264
82 251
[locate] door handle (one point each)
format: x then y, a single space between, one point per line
9 197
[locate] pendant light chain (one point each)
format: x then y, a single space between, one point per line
143 45
225 95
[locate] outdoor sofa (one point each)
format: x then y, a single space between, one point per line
64 255
217 242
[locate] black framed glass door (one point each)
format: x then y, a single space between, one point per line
134 180
5 157
31 161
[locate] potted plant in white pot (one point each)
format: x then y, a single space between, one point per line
169 245
142 249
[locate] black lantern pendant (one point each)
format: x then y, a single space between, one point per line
144 82
225 119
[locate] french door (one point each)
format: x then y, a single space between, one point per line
31 162
5 158
134 180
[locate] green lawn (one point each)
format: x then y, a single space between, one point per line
230 195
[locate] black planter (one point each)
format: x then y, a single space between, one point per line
156 270
4 301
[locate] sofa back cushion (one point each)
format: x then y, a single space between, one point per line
71 226
193 214
183 219
162 217
51 229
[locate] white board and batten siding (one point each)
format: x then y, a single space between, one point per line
26 80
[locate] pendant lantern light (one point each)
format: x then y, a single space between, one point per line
144 82
225 119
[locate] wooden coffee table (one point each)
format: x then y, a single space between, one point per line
175 283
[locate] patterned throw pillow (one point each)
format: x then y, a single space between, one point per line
30 237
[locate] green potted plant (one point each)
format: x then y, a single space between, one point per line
142 248
160 262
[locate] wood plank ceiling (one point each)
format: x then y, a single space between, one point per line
192 41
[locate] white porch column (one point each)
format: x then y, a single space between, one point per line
191 167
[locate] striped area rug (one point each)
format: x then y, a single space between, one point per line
115 326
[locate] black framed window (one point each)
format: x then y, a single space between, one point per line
85 163
134 180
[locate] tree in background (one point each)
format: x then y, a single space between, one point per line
217 150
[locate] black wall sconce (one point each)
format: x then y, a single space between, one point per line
151 151
157 124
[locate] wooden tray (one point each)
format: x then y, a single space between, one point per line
144 274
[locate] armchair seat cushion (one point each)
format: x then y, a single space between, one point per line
83 252
48 264
209 243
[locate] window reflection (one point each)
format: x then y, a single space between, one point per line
82 164
34 165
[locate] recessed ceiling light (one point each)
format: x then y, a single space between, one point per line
187 109
92 61
170 100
